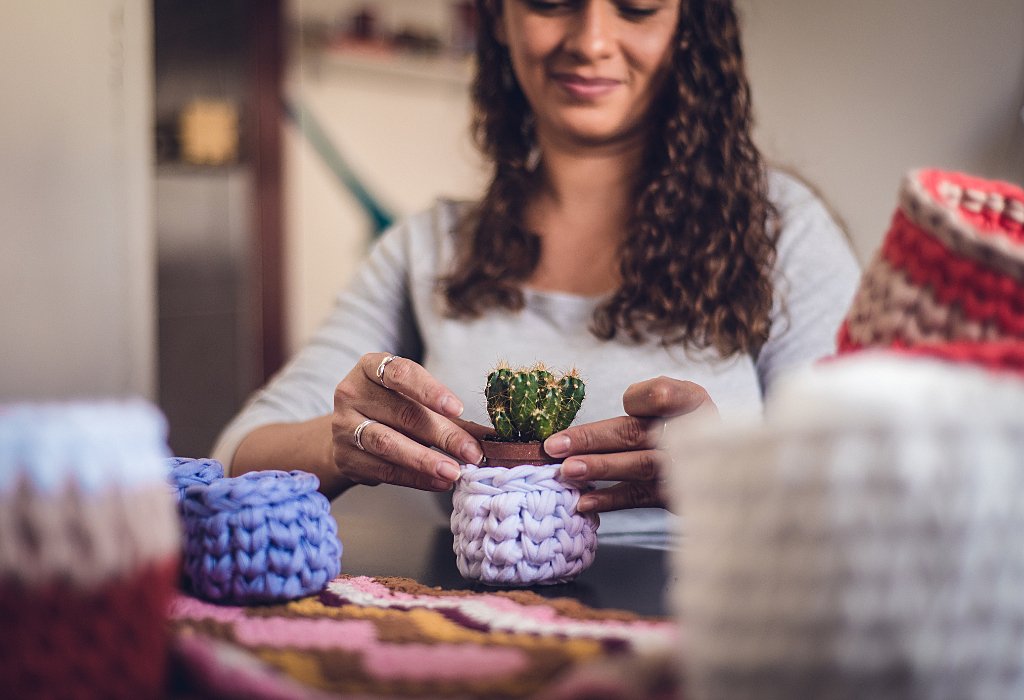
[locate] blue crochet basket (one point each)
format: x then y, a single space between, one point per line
257 538
185 472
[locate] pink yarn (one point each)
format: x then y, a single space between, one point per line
442 661
520 527
306 634
494 611
383 659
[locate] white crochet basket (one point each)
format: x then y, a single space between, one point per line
864 541
519 526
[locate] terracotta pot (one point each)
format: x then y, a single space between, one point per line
499 453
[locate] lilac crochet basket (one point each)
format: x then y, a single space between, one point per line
519 526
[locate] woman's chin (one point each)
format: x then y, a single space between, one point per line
597 133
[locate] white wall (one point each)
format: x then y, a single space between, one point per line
77 303
854 94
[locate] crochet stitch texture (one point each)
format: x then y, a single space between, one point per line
862 542
396 638
948 280
519 526
260 537
88 550
185 472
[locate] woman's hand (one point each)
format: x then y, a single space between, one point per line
625 449
403 411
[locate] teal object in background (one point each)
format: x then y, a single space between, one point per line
310 128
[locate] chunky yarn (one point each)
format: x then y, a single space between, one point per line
89 543
863 541
260 537
185 472
948 279
519 526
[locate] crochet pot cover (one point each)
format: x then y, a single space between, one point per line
864 541
184 472
948 280
519 526
260 537
89 544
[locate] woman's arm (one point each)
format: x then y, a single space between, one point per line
305 445
372 314
816 276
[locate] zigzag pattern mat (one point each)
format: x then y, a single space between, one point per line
393 637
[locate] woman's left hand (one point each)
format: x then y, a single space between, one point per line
625 449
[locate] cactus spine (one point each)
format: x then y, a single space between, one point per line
530 403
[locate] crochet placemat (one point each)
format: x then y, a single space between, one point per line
393 637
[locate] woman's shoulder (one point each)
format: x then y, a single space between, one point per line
441 217
422 243
427 228
804 216
432 226
790 193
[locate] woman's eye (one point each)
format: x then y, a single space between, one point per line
636 12
631 11
549 5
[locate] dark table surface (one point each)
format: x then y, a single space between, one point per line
622 577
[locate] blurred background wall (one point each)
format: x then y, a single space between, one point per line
851 95
77 283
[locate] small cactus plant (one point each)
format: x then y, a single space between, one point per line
530 404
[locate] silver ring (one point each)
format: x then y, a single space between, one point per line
358 434
380 369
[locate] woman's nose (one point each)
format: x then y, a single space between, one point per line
591 33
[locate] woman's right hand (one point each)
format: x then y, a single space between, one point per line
410 412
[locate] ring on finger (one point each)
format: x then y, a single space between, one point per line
657 431
358 433
380 369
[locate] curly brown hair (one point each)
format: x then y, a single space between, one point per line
696 264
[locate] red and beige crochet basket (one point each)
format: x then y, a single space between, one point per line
948 280
89 544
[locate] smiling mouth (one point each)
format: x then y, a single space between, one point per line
585 88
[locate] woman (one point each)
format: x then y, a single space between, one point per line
630 228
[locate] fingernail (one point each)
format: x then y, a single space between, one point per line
441 485
471 452
574 469
448 470
586 503
557 446
451 406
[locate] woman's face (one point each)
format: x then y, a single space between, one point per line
589 68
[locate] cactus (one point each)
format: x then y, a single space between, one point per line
530 404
